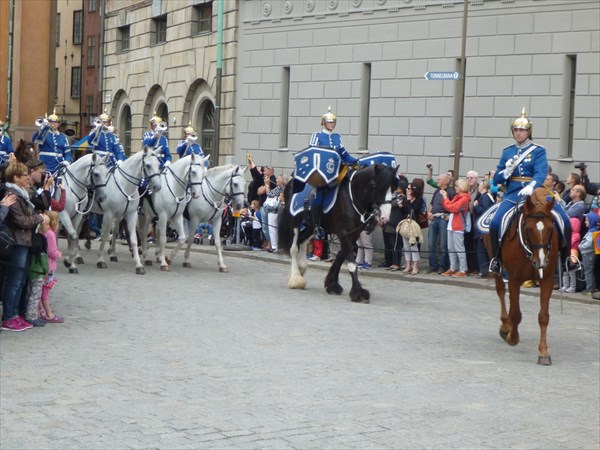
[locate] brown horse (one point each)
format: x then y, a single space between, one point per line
530 250
26 151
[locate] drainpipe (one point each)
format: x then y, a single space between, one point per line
219 75
461 95
11 17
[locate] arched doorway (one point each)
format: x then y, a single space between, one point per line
207 133
124 129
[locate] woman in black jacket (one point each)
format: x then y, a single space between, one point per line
412 207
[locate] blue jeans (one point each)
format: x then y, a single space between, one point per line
438 232
16 277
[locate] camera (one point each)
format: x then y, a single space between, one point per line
581 166
430 166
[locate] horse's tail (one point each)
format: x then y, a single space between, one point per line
285 222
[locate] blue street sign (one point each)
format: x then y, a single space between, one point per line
442 75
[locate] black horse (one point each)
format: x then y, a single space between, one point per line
363 201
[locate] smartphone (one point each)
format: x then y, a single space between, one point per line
59 180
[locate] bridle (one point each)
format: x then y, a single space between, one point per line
89 188
137 182
185 185
225 195
371 212
524 236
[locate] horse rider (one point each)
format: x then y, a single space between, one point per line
103 141
6 145
155 139
189 146
523 166
326 138
54 147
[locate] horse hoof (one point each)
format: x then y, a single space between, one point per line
87 245
148 263
366 301
337 290
168 261
73 270
79 260
101 265
187 265
544 360
165 268
503 334
66 263
223 269
114 259
140 271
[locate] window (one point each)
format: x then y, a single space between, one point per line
91 51
124 130
56 83
89 109
285 108
77 27
75 82
123 35
365 99
159 30
91 5
208 132
568 115
58 30
202 18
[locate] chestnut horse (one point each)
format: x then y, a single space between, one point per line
26 151
530 248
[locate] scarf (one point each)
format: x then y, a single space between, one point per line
23 194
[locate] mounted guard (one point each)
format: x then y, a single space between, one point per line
523 166
155 139
54 147
103 141
188 145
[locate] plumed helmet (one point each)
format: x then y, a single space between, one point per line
522 123
53 117
328 117
105 117
155 119
189 129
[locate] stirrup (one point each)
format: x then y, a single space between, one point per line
319 233
495 266
571 266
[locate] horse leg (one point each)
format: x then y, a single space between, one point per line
113 241
107 221
501 291
296 279
69 259
357 292
216 224
131 219
178 223
546 285
332 285
143 227
302 259
186 255
161 240
514 312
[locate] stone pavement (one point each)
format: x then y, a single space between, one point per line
195 358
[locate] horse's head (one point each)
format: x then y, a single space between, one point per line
98 174
537 229
237 187
151 167
374 191
26 151
196 174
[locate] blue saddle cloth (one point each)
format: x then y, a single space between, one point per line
317 166
324 197
483 223
378 158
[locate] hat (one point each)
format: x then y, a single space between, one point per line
522 122
189 129
155 118
53 117
328 116
593 218
105 117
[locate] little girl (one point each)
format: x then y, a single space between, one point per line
54 254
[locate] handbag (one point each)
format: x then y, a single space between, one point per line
410 229
272 204
7 241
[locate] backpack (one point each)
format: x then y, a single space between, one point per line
39 245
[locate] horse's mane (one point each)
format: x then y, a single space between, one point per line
540 201
219 169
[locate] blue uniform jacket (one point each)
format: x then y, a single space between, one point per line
333 141
6 147
54 149
107 143
534 166
183 150
162 142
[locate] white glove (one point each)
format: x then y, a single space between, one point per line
527 190
65 163
509 167
167 163
119 162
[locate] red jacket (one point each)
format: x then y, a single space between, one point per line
459 203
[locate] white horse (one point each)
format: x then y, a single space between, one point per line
80 180
121 197
181 181
220 183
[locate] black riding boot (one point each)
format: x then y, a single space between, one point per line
496 262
